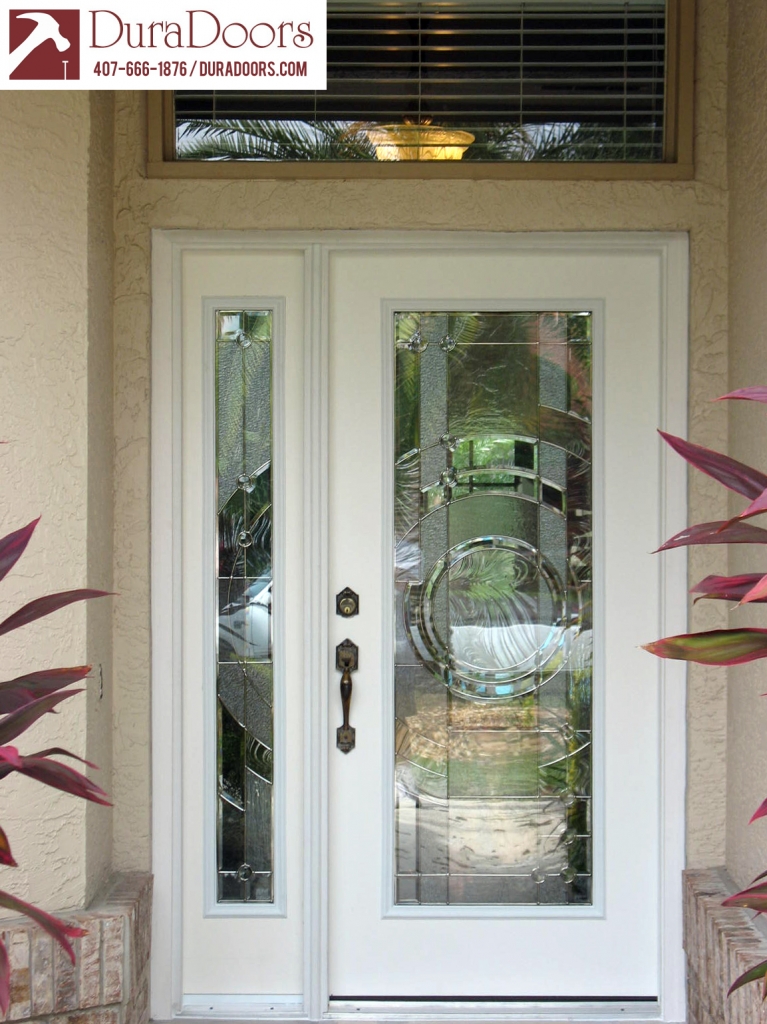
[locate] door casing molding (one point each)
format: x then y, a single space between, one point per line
166 982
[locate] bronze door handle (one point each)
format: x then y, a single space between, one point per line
347 659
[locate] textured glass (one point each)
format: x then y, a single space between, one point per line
492 608
244 681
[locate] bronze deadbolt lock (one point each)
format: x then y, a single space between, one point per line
347 603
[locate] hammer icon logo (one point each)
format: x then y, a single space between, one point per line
44 45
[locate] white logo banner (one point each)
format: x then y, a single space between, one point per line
268 45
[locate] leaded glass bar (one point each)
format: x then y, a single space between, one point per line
493 795
244 629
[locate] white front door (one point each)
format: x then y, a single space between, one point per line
462 432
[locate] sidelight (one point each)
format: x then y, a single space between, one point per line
244 627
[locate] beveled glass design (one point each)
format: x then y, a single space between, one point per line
244 629
493 660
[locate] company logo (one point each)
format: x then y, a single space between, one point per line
44 45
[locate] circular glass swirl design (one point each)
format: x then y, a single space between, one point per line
490 619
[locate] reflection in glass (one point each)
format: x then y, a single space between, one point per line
244 682
493 608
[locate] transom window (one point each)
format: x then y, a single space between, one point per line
464 83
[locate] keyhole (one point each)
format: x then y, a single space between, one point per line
347 603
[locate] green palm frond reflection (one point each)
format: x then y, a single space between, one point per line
275 140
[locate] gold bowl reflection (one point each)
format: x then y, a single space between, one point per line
418 142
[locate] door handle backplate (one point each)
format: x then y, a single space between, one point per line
347 659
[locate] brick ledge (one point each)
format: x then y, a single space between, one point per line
720 944
109 983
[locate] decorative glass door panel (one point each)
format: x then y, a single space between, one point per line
245 751
493 608
493 471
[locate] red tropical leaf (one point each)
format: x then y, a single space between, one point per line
13 545
5 980
15 693
62 753
757 393
758 592
757 508
10 758
15 723
61 776
735 475
760 812
754 898
6 857
52 773
72 675
60 930
719 532
753 974
714 647
45 605
726 588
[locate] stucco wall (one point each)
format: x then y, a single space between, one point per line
46 343
699 207
747 123
100 256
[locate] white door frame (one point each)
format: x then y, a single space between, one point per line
167 248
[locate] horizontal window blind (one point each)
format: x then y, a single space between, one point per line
529 81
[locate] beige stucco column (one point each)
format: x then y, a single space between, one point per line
747 147
56 290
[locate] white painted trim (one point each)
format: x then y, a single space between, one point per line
166 602
597 908
388 625
221 1006
211 906
672 619
426 241
236 1015
598 597
606 1012
237 1009
166 613
316 657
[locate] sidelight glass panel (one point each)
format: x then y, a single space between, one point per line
244 678
493 774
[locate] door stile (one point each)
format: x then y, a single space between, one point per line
387 586
316 665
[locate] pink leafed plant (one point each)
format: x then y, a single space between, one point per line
727 646
24 700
